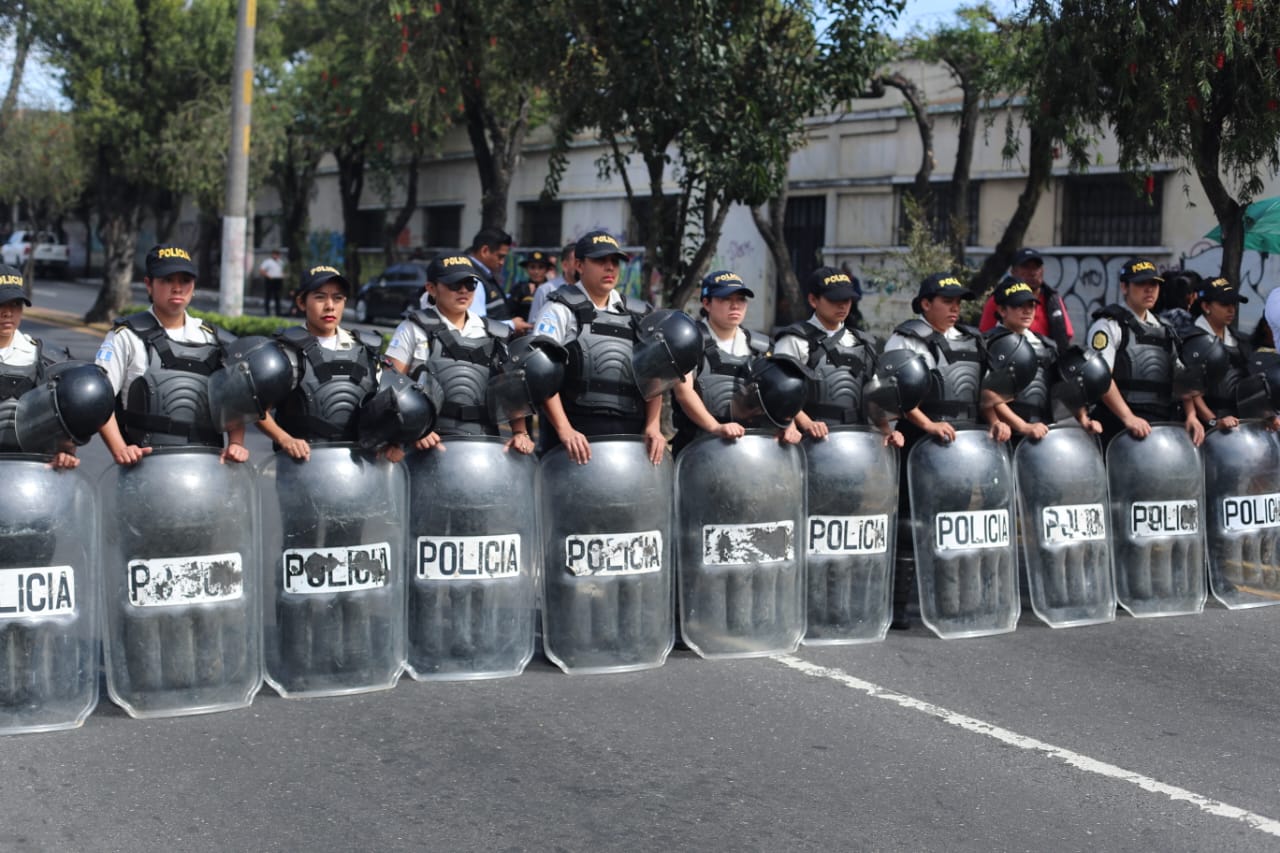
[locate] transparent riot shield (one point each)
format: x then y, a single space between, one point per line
961 523
180 575
850 535
1066 535
333 552
1242 502
473 560
739 561
1157 502
606 543
48 597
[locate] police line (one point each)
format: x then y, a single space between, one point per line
218 577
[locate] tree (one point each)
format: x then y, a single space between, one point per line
1195 81
128 67
16 16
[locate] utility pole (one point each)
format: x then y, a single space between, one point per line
234 220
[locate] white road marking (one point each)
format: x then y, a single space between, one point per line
1066 756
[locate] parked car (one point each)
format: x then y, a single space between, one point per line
398 288
51 256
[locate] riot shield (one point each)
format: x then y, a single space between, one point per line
48 597
180 574
1157 498
739 563
473 564
849 535
333 552
1242 502
1066 537
606 544
961 523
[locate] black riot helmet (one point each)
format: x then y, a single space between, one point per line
775 390
1011 365
1203 361
401 411
255 375
1258 394
533 371
668 346
899 384
72 405
1083 377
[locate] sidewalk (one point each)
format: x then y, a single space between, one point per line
204 300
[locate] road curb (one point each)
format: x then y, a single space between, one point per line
64 318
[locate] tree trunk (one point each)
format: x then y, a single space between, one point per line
1039 172
350 186
23 39
209 238
924 126
770 219
1229 212
119 236
714 211
294 179
392 232
969 119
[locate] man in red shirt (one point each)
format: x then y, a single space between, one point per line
1051 318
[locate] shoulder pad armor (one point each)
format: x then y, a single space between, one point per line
916 328
971 331
636 306
429 320
865 338
758 342
568 295
1111 312
221 335
799 330
497 328
139 322
371 341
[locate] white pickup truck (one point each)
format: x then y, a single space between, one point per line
50 255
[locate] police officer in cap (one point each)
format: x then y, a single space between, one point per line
705 394
1217 302
334 371
1051 319
159 363
460 349
840 358
1142 351
537 266
1030 413
22 365
598 326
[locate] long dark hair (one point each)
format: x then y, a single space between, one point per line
1176 289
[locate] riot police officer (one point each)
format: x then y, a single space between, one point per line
1142 351
1030 413
1217 302
705 394
22 364
158 362
460 349
841 359
598 326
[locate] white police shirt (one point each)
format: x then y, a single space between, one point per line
124 356
1228 337
21 351
797 347
1105 333
910 342
735 344
557 321
411 346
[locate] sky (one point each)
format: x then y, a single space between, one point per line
927 14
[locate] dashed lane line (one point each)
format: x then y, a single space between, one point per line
1066 756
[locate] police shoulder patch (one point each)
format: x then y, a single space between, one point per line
1100 340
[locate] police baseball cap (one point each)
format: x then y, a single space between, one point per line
1140 270
535 258
449 269
164 261
831 283
11 285
1026 256
721 283
316 276
1217 290
940 284
599 244
1013 292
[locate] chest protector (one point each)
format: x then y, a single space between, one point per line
721 375
838 373
463 367
325 404
1034 404
598 379
16 380
1224 397
1143 370
168 405
957 380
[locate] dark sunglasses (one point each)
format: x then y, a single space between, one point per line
466 283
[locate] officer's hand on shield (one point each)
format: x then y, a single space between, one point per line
1088 423
1137 427
1195 429
393 453
520 442
63 461
1271 424
893 438
297 448
816 429
430 441
1228 422
655 442
1000 431
790 434
1035 431
729 430
941 430
234 452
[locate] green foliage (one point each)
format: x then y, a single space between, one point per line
41 164
238 326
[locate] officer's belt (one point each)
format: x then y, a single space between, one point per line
169 426
611 331
459 412
844 414
952 409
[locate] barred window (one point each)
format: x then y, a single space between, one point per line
540 223
1109 210
442 228
939 211
804 228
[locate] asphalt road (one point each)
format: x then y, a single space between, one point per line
1153 734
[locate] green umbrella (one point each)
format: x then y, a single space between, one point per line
1261 226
